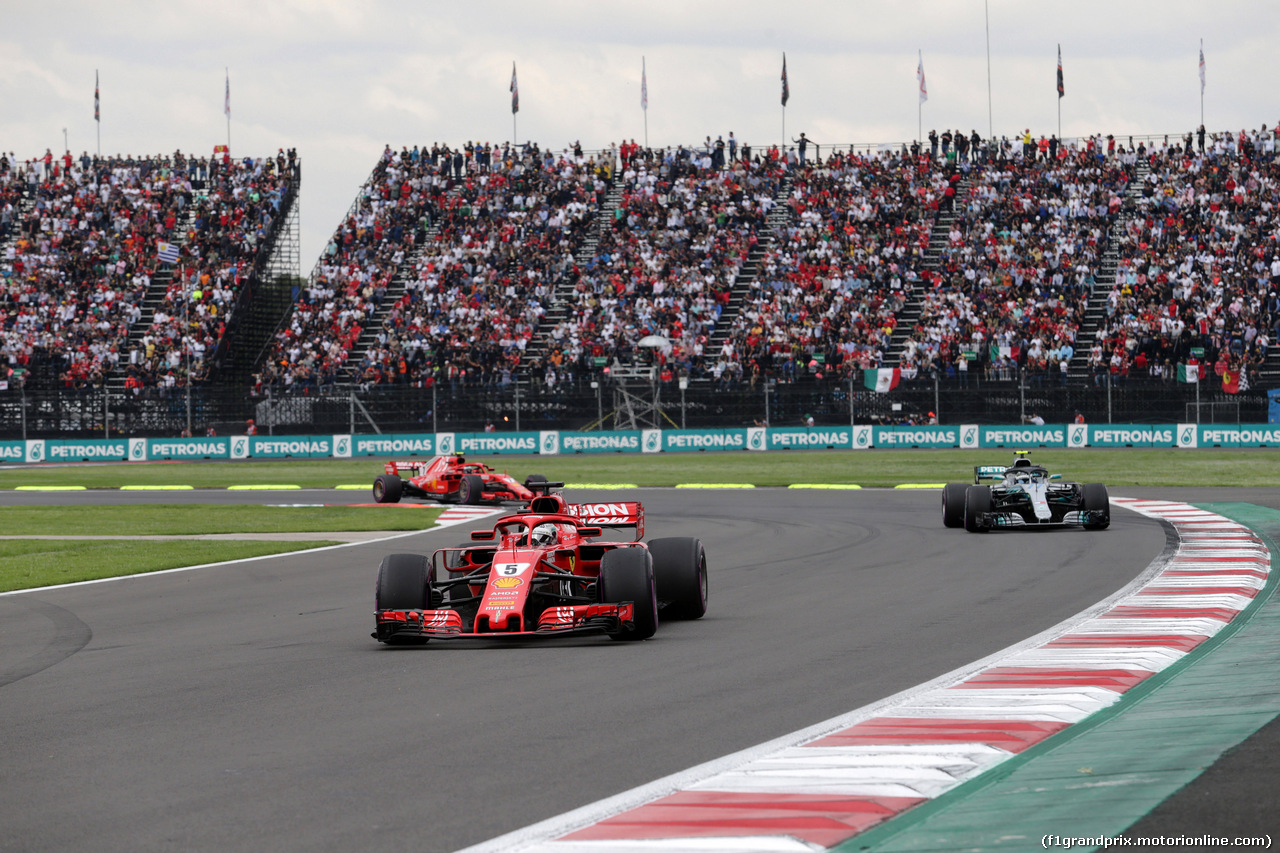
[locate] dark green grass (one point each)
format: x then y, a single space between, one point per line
27 563
191 520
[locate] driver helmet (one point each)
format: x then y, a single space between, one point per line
543 534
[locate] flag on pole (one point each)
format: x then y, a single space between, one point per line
881 379
167 252
97 115
226 101
924 92
1231 381
644 87
786 89
998 351
515 91
1189 373
1061 91
1202 68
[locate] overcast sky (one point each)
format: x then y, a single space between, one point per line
339 80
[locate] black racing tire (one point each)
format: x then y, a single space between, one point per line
953 504
977 500
680 575
626 574
471 489
534 478
404 583
1093 497
387 489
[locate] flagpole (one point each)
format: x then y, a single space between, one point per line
991 124
1201 91
227 109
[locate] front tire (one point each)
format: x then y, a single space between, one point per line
404 583
680 575
953 504
534 480
1094 498
977 500
626 574
471 489
387 489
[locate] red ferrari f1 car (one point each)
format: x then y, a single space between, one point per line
543 572
451 479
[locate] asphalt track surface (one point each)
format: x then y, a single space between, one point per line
243 706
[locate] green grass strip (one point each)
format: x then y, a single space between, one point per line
197 519
715 485
823 486
28 563
259 487
155 488
601 486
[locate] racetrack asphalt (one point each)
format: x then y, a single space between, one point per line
245 705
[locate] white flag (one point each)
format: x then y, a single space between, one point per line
644 87
924 92
226 103
1202 69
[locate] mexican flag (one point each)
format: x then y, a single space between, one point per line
882 379
1189 372
1009 352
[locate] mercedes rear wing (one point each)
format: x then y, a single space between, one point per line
988 472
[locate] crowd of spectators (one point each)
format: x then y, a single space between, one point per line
1199 267
487 240
1020 262
665 266
83 252
832 282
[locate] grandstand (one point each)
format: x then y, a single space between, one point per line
465 286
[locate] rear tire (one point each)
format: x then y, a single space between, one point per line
680 575
471 489
953 504
404 583
1093 497
387 489
977 500
626 574
533 479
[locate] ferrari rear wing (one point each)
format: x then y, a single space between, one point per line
623 514
406 465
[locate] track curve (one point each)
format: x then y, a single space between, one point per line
221 708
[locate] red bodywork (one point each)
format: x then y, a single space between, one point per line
505 586
441 479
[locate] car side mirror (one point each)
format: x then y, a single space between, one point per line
1055 476
590 532
482 535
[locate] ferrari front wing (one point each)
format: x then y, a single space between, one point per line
554 621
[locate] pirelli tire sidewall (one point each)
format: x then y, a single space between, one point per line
404 583
626 574
680 574
977 502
